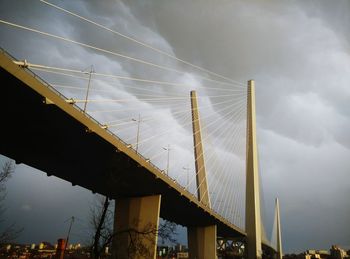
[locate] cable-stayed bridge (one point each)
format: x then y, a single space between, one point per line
143 141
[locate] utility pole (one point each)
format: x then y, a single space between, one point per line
67 239
167 166
138 132
88 88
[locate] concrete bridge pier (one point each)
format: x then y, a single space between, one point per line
252 206
202 242
201 239
136 222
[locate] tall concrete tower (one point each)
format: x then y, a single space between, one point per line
201 176
279 237
252 215
201 239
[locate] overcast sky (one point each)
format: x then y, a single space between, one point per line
296 51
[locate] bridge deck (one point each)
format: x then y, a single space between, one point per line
53 138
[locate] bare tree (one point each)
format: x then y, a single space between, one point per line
5 174
9 233
101 220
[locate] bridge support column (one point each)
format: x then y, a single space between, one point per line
253 218
279 238
201 175
136 223
202 242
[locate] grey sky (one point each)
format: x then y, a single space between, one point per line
298 53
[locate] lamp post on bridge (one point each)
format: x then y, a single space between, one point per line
167 166
88 88
187 169
138 132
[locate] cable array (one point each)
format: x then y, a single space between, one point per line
152 114
139 42
110 52
222 116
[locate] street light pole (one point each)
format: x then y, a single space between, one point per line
187 170
88 88
167 167
138 132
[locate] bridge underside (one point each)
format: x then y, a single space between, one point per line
47 138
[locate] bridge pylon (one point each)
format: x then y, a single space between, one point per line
278 224
201 175
201 239
252 215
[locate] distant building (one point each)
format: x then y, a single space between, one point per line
61 245
335 253
162 251
178 248
173 252
182 255
46 246
338 253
